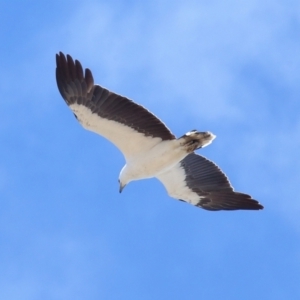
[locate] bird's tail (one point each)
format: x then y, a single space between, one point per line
194 140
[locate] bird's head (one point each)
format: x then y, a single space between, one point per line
122 185
124 179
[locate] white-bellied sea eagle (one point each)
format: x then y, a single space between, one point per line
149 147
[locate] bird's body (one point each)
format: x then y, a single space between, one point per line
162 157
149 147
144 159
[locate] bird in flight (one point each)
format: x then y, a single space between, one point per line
149 147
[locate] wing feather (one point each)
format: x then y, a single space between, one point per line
131 127
200 182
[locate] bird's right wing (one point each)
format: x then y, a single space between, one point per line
200 182
131 127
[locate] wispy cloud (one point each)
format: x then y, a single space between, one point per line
196 54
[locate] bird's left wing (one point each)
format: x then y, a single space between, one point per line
200 182
131 127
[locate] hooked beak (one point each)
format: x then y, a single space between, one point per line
121 187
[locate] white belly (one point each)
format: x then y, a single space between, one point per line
157 160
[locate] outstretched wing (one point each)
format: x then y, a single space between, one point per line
131 127
200 182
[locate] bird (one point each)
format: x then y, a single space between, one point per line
149 147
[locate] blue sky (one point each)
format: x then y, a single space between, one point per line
231 68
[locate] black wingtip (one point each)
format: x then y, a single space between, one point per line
72 69
228 201
260 207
